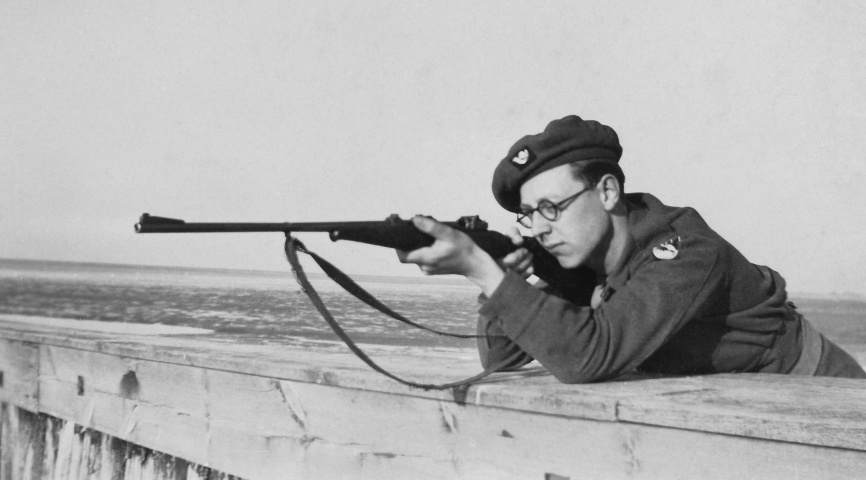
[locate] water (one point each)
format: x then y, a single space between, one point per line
258 306
268 306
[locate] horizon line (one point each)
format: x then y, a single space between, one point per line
432 280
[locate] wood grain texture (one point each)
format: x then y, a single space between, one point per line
818 411
265 428
428 439
314 411
36 446
19 368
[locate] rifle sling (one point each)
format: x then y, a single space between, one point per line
350 286
293 245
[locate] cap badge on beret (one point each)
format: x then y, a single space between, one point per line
522 157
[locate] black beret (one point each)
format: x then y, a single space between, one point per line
563 141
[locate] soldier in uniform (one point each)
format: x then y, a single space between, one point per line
670 295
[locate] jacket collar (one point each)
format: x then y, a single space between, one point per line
648 218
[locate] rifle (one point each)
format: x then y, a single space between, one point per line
393 232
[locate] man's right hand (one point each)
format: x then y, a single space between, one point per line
453 252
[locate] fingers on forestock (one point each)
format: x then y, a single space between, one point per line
429 226
512 259
521 256
526 268
515 236
428 269
415 256
401 255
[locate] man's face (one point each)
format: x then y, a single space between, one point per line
580 235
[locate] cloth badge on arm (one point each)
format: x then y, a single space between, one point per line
667 250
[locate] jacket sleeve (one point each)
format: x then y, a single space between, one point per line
578 344
494 346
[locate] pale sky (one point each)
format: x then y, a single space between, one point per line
752 112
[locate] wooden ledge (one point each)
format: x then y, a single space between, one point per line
811 410
140 386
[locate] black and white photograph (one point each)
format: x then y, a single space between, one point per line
512 239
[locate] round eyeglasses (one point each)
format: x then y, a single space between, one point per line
547 209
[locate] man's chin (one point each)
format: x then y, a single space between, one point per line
568 261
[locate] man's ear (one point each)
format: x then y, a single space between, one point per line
609 191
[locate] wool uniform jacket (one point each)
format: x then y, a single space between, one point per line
682 300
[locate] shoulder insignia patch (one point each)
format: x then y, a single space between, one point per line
667 250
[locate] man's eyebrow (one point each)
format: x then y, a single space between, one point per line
540 201
525 207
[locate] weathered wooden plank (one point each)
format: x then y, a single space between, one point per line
284 411
161 406
264 428
37 446
496 446
19 368
475 442
333 365
21 443
651 401
818 411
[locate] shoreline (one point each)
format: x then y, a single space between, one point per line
46 265
451 280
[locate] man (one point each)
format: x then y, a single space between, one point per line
671 295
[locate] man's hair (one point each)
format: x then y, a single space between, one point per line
591 171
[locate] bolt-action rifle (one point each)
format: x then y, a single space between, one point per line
393 232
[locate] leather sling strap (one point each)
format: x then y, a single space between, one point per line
358 292
293 245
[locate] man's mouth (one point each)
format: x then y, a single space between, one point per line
550 247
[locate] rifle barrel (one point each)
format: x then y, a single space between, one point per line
154 227
154 224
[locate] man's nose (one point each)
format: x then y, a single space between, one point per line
540 225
